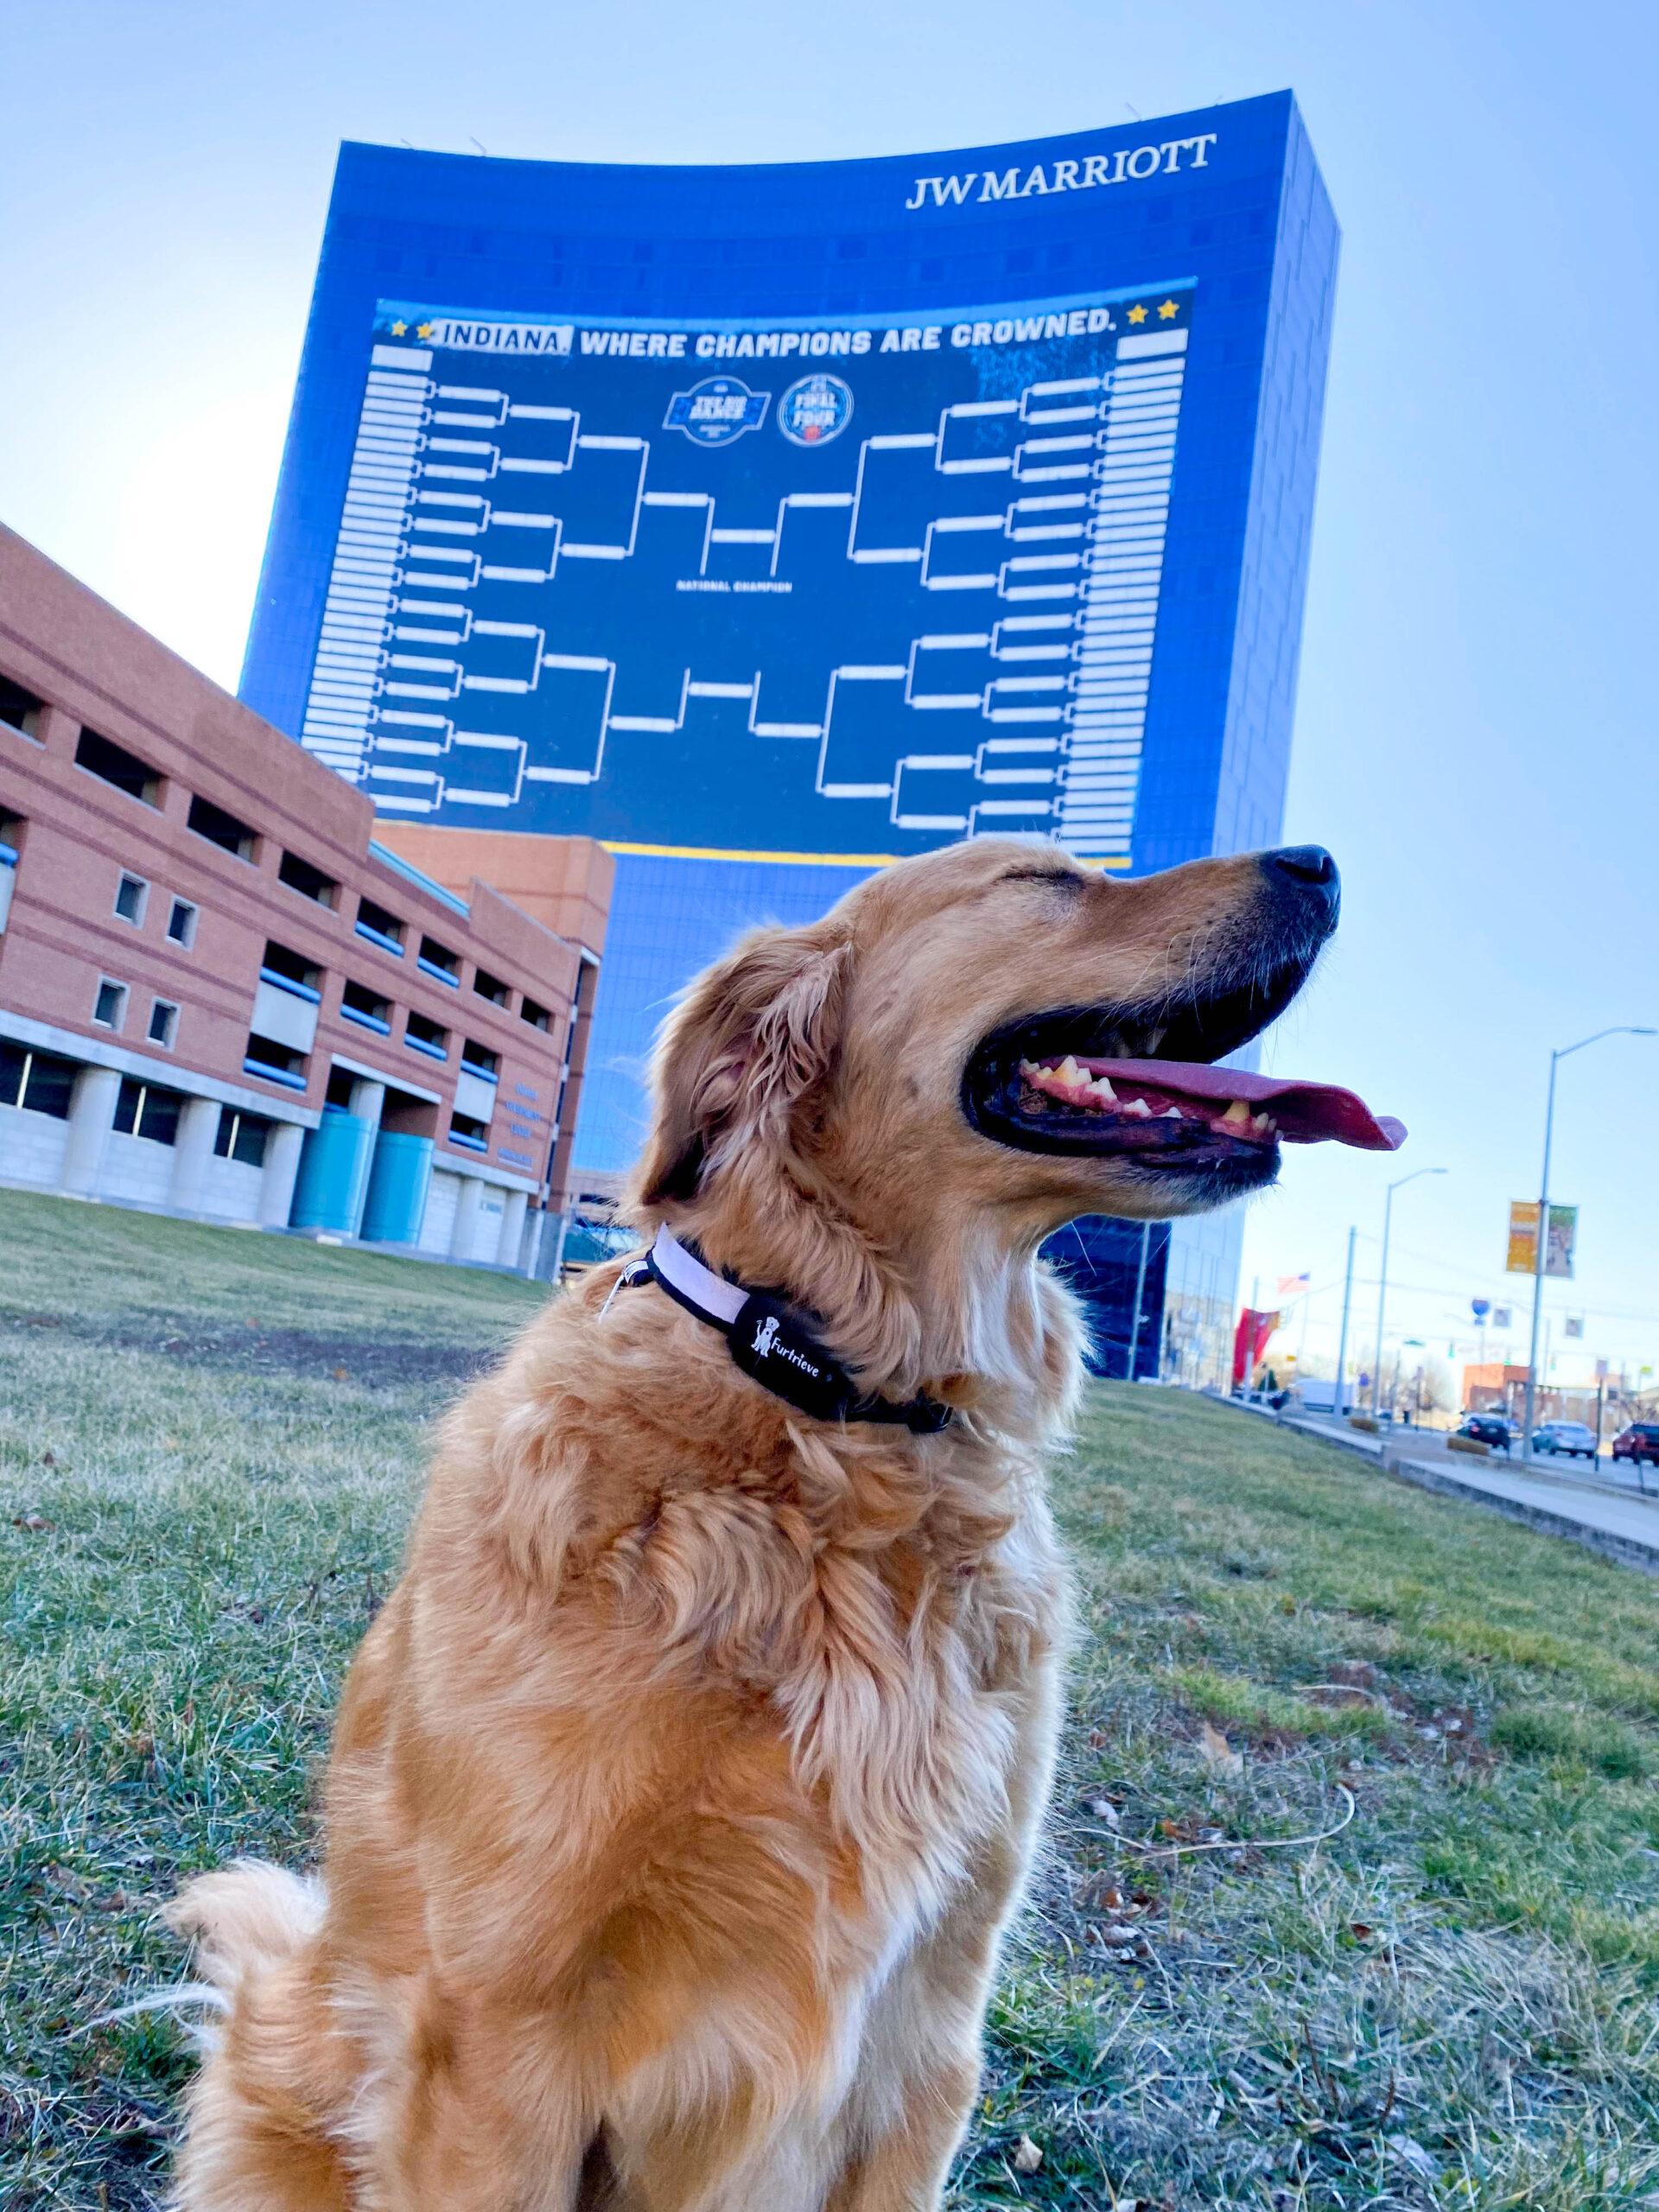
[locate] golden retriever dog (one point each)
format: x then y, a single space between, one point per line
683 1786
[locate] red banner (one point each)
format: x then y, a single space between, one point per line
1250 1340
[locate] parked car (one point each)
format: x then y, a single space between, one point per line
1495 1429
1639 1441
1570 1438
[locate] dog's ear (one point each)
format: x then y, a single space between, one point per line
741 1057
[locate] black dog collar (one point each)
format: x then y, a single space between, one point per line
770 1343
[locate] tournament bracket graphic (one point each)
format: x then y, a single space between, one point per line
838 588
728 574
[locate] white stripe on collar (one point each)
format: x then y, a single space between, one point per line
701 1286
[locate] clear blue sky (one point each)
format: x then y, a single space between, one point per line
1476 734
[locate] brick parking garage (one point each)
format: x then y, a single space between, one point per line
220 997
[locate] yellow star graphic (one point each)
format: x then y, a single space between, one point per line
1168 311
425 330
1137 314
399 328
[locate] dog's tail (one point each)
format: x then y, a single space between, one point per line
258 2127
244 1920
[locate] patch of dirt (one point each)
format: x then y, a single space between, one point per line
369 1363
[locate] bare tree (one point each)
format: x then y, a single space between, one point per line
1439 1393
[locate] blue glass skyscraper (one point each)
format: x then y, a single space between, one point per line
770 523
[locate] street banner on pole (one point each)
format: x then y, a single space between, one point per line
1251 1341
1523 1239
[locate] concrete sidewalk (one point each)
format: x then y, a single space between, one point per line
1622 1529
1617 1478
1620 1525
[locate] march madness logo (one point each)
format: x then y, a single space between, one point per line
716 410
814 410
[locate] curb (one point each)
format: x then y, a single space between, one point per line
1627 1551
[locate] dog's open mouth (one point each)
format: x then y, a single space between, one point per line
1081 1081
1132 1104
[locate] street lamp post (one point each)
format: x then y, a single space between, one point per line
1140 1295
1620 1029
1382 1279
1337 1406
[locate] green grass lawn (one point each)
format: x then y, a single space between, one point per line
209 1454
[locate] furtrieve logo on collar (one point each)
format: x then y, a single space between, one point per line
767 1346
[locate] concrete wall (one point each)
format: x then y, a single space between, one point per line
31 1147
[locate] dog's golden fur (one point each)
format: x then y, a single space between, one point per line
682 1787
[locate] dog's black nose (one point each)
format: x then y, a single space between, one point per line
1308 875
1303 863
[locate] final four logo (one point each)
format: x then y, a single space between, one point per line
716 410
814 410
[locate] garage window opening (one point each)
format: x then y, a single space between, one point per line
472 1135
113 763
291 971
425 1036
437 961
274 1062
367 1008
221 828
20 708
380 928
311 882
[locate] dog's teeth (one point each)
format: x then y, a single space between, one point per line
1140 1108
1261 1123
1170 1114
1102 1091
1238 1114
1069 1072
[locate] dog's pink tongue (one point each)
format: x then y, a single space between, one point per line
1307 1113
